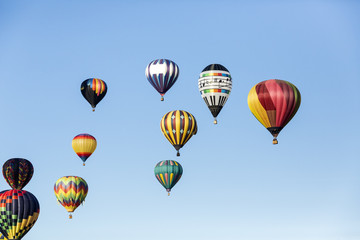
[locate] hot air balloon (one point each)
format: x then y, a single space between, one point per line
168 173
93 90
274 103
19 211
17 172
162 74
84 145
178 127
215 86
70 192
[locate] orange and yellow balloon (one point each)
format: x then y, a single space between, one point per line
84 145
274 103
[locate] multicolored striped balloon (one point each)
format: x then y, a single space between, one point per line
19 211
274 103
17 172
178 127
70 192
215 85
84 145
162 74
168 173
93 90
1 235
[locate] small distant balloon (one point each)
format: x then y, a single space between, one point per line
178 127
274 103
84 145
168 173
215 85
162 74
17 172
93 90
70 192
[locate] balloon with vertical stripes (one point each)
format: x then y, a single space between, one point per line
162 74
168 173
93 90
178 127
274 103
19 211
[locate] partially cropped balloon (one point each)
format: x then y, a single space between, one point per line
17 172
168 173
178 127
84 145
215 85
93 90
1 235
70 192
274 103
19 211
162 74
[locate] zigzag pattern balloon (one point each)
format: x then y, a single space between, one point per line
70 191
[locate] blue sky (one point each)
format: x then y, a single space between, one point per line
236 184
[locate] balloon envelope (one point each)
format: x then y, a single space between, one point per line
178 127
162 74
84 145
19 211
274 103
18 172
70 192
168 173
93 90
215 85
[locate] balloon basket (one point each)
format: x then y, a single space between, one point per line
70 216
169 194
275 141
215 121
178 154
93 109
162 99
83 164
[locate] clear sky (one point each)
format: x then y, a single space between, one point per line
236 184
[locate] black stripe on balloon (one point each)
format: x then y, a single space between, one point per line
156 82
161 83
206 101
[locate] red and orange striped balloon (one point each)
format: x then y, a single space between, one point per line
274 103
